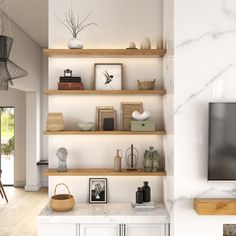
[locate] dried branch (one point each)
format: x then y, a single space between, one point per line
72 25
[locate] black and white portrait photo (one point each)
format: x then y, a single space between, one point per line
98 190
108 76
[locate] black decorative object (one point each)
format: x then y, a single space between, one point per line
132 158
108 124
67 73
8 69
65 79
146 192
139 196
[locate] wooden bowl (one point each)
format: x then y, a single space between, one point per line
146 85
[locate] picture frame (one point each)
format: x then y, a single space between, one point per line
97 190
106 114
104 108
127 108
108 76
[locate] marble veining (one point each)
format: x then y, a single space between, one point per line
207 84
105 213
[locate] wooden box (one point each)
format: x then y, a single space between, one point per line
215 206
147 125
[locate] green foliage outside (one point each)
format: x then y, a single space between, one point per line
7 123
8 149
7 130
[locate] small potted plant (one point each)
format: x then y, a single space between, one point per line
75 26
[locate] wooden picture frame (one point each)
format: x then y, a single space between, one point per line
127 108
106 114
97 190
104 108
108 76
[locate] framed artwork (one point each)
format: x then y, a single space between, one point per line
108 76
98 118
98 190
127 108
106 114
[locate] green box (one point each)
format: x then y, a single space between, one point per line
147 125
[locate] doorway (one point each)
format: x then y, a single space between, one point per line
7 144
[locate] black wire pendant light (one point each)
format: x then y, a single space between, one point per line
8 69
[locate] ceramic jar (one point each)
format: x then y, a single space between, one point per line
155 161
145 43
148 161
75 43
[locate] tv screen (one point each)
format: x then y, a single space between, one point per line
222 142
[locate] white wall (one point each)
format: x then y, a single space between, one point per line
119 23
205 36
27 54
17 99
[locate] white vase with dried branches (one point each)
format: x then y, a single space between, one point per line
75 26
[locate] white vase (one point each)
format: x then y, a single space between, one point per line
145 43
75 43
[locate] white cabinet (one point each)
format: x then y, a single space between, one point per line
123 229
145 229
57 230
100 230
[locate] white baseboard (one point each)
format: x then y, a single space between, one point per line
19 184
44 184
33 188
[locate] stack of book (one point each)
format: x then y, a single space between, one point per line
70 83
145 205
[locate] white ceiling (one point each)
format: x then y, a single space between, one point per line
31 16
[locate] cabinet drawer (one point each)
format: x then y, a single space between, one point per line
145 229
57 230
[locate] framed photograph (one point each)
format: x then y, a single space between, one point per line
127 108
98 118
108 76
106 114
98 190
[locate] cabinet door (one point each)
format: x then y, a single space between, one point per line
144 229
100 230
56 229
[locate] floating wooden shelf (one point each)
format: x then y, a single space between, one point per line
101 172
215 206
105 92
105 52
116 132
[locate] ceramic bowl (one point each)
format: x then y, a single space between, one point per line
86 126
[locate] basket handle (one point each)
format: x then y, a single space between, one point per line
55 190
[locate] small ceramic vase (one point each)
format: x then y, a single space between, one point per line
145 43
75 43
62 156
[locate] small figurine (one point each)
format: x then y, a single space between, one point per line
62 156
132 46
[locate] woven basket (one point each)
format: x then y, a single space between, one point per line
146 85
62 202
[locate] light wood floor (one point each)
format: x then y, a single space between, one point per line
19 216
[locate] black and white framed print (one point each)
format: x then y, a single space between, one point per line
108 76
98 190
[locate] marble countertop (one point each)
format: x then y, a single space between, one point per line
105 213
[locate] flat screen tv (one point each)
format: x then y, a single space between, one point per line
222 142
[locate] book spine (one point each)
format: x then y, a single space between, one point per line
70 86
70 80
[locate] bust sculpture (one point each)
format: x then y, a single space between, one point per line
62 156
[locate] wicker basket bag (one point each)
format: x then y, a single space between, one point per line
62 202
146 85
